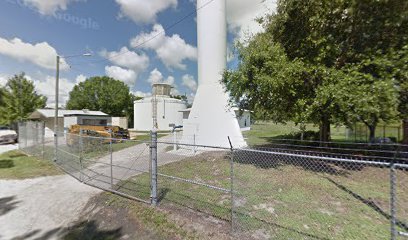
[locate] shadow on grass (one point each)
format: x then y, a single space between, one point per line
369 203
6 164
86 230
7 204
266 160
162 194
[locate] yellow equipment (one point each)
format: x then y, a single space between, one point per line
107 132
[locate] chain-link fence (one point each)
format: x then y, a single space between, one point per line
31 138
284 192
314 195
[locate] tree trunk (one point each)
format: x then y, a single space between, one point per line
372 128
405 131
324 130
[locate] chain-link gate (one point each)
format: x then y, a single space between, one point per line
283 192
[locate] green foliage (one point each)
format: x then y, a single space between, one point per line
102 94
19 99
180 97
331 61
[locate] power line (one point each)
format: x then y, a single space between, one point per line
81 71
155 36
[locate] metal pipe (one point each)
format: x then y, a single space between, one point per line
111 158
153 176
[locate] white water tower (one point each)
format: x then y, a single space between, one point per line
161 107
211 120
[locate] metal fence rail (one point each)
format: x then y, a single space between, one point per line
283 192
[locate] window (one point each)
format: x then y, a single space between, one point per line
95 122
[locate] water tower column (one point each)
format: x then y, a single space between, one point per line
211 120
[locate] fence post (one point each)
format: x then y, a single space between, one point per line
81 143
194 144
393 201
42 141
111 159
174 140
26 135
232 185
153 175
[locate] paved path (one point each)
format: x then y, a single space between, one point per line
8 147
128 163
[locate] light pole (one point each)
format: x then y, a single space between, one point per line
56 100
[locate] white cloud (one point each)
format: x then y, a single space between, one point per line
128 59
80 78
40 54
189 82
3 80
127 76
172 51
46 7
144 11
46 87
142 94
241 15
157 77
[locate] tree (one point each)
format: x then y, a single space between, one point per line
102 94
401 66
318 47
19 99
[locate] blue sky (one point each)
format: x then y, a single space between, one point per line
33 32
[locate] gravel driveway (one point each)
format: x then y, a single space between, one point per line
35 208
8 147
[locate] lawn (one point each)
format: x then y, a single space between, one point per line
17 165
291 199
265 132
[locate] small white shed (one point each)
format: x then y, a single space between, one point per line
47 116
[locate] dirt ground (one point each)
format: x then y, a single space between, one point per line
107 216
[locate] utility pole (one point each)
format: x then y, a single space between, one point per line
56 100
56 111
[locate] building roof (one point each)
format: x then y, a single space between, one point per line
48 113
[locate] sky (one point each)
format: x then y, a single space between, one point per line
135 41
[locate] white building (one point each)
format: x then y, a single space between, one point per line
120 122
168 110
86 119
68 117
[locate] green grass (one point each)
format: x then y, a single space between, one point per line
17 165
263 132
285 200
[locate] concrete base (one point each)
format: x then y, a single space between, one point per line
211 120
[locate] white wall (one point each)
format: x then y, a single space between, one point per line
68 121
168 112
120 121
